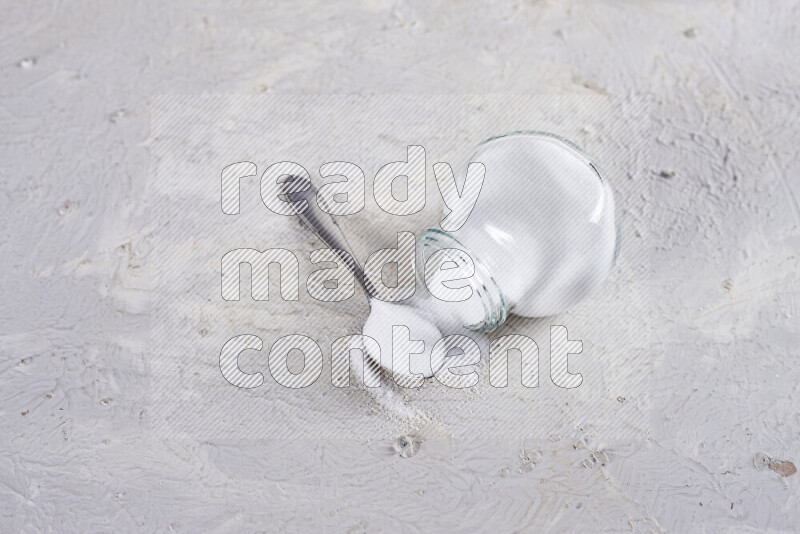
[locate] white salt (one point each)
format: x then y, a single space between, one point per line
383 316
428 320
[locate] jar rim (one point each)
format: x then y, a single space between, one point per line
495 305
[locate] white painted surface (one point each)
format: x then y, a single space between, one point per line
80 452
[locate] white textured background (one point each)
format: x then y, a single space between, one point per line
79 450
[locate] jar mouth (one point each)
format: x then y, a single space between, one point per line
495 305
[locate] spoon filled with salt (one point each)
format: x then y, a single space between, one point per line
404 354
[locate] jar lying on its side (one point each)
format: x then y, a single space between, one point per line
541 236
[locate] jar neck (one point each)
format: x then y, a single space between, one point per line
495 306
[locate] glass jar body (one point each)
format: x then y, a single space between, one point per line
542 234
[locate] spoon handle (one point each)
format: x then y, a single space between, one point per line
323 224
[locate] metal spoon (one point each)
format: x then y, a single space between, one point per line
323 224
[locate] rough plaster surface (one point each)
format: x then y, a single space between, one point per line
80 450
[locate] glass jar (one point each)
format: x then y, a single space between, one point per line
541 236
